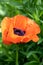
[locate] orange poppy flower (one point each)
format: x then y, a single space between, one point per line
19 29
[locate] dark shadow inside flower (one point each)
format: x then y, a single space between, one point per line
18 32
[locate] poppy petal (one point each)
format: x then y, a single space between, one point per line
35 38
26 39
33 26
13 37
20 22
4 27
19 29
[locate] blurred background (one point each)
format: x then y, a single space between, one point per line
30 53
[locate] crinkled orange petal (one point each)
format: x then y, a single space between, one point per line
32 27
20 22
26 39
29 30
5 24
35 38
5 40
13 37
5 27
36 28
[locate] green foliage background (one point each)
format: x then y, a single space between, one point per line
30 53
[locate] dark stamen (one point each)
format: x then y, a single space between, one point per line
19 32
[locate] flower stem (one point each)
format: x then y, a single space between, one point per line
16 54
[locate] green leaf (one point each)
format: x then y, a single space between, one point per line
32 63
35 57
38 2
0 40
32 52
41 63
40 41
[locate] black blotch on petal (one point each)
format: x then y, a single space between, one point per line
18 32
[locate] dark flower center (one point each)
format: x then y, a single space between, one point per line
18 32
